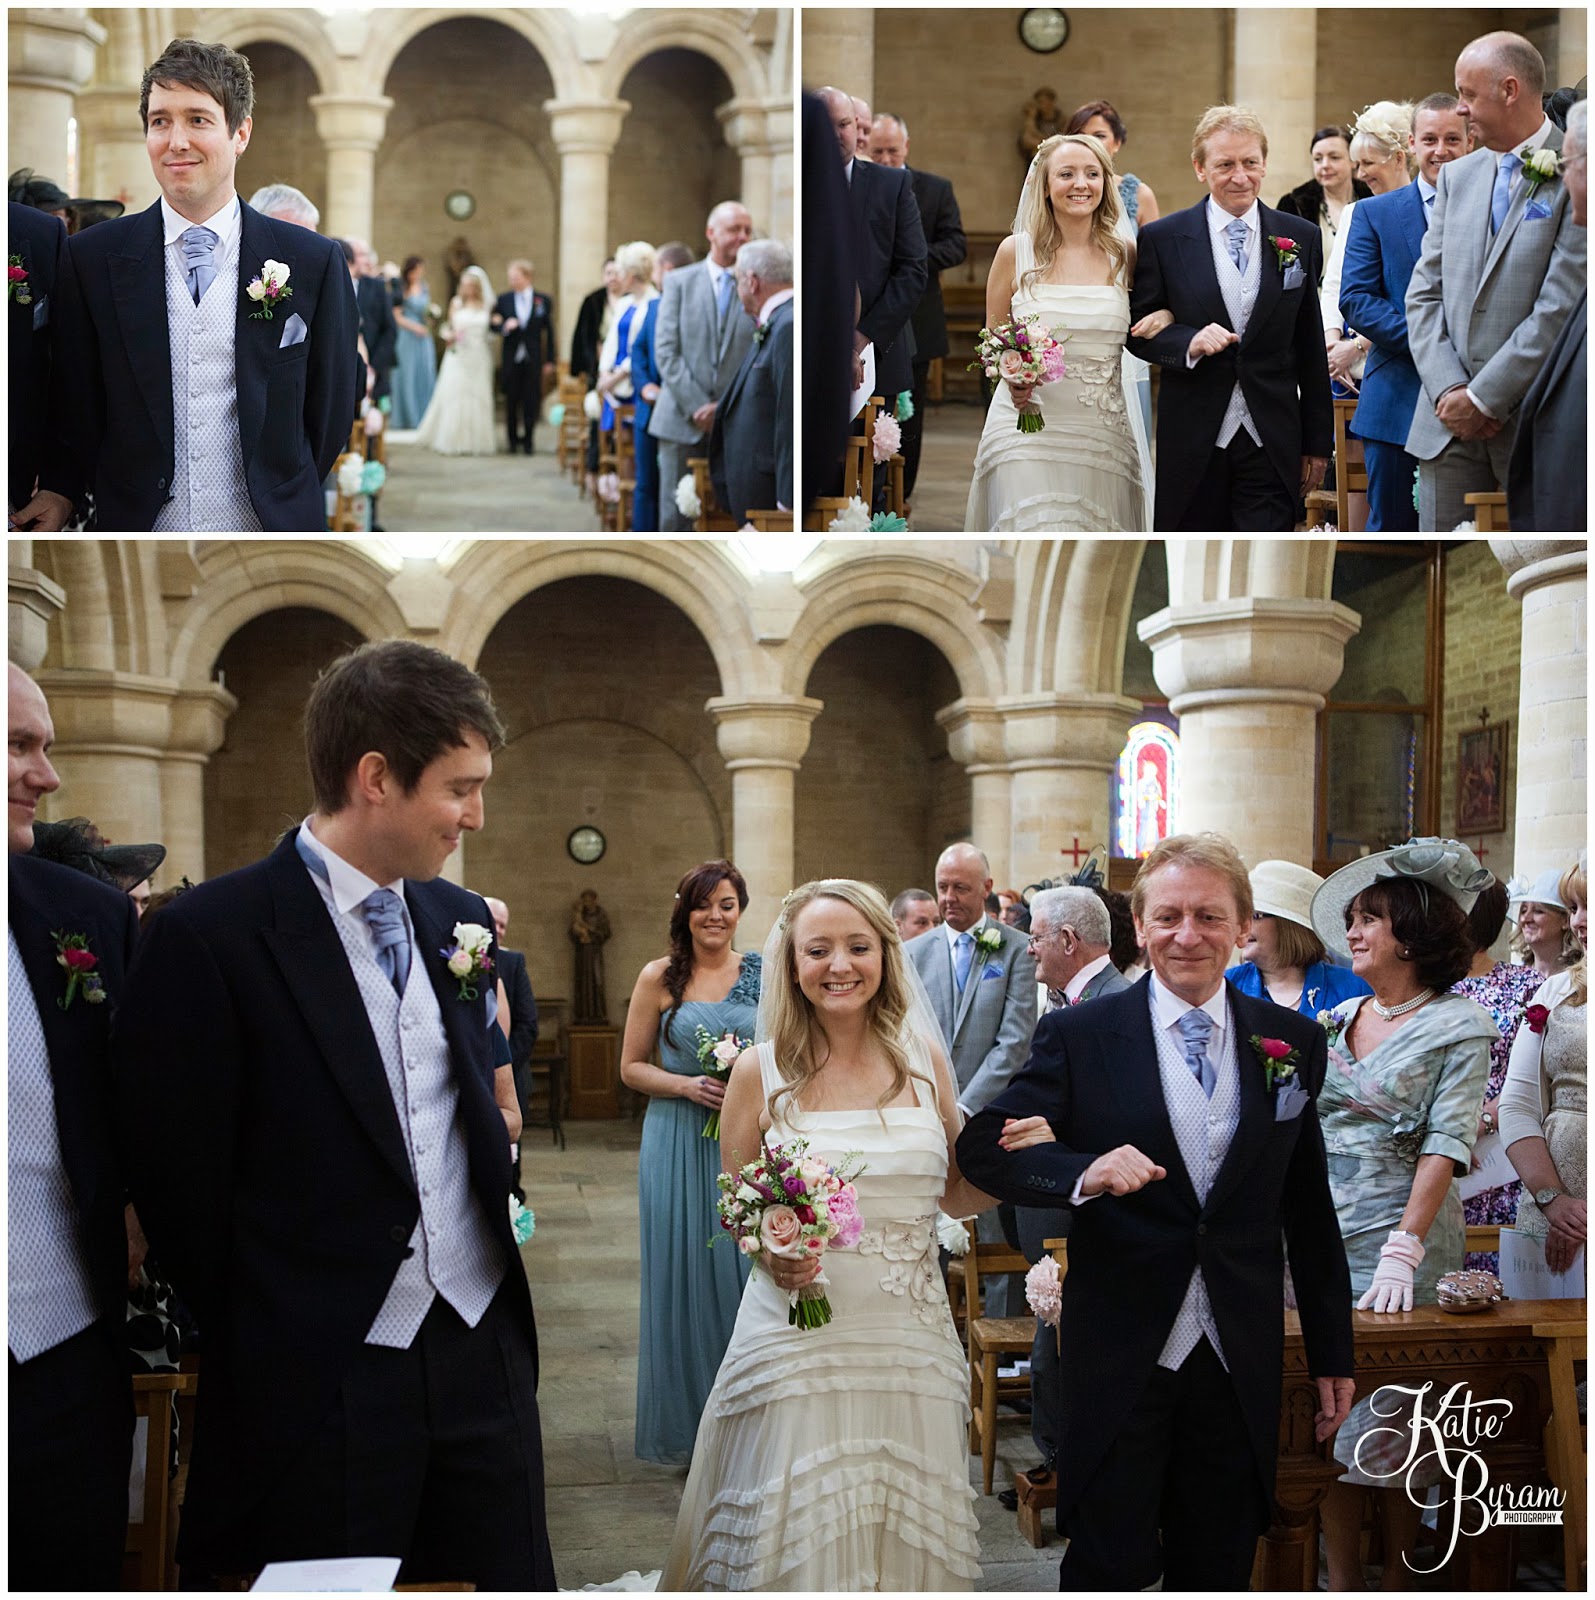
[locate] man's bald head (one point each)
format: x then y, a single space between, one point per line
888 141
963 880
500 914
1508 55
1500 78
29 775
839 107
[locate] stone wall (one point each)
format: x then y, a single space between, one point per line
1378 54
284 146
878 796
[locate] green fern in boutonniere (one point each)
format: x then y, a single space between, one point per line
1539 166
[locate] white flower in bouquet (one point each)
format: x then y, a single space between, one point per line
687 502
855 519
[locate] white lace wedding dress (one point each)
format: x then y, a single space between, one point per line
835 1458
1088 470
459 418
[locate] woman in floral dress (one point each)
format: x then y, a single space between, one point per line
1400 1111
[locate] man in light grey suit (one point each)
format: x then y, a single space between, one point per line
700 340
1501 269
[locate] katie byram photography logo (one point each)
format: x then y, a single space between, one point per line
1449 1431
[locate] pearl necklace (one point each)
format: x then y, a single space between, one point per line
1390 1013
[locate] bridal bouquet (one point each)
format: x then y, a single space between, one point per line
790 1203
717 1055
1014 352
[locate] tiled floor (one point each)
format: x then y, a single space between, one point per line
427 492
607 1511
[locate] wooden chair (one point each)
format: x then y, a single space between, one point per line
1482 1239
150 1554
1567 1441
1351 472
1489 512
987 1338
345 517
1034 1499
770 521
712 517
619 514
572 446
819 515
1321 508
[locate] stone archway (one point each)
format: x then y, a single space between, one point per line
284 146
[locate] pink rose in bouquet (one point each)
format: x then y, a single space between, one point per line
1023 357
717 1055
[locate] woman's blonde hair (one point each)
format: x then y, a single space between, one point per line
792 1024
1574 885
1036 216
636 260
1385 127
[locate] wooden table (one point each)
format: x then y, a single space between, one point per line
1493 1352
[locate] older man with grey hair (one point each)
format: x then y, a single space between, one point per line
750 443
286 204
1070 932
1547 479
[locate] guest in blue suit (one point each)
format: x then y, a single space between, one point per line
645 382
1382 248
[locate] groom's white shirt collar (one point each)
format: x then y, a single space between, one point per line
1218 219
226 224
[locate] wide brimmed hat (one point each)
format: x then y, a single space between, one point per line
1283 889
44 194
1545 890
78 844
1444 864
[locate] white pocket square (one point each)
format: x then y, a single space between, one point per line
1289 1101
1294 276
294 331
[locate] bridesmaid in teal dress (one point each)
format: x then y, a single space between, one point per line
416 369
690 1293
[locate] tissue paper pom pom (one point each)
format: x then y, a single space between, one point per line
373 423
351 472
888 437
1044 1290
855 519
372 477
556 414
687 502
609 488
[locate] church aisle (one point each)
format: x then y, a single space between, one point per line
429 493
607 1511
946 465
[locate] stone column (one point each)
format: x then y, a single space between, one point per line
112 734
32 600
585 134
1572 44
351 128
1275 72
975 742
763 743
115 164
839 50
199 723
1549 577
1061 750
759 131
50 58
1247 678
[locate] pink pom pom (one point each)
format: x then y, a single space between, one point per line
1044 1290
888 437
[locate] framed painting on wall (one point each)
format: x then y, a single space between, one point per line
1481 779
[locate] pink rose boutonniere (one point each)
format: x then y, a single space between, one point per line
82 977
1279 1059
1286 251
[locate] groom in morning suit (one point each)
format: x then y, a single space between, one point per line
317 1158
71 1403
1184 1168
191 409
1245 423
1502 266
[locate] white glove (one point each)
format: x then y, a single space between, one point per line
1391 1289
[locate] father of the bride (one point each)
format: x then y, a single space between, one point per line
1245 420
315 1153
208 350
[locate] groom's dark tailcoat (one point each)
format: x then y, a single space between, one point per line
1280 361
889 257
40 240
269 1167
296 403
1093 1073
71 1407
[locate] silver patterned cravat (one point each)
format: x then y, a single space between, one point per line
199 259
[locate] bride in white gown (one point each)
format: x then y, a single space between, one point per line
835 1458
459 418
1089 468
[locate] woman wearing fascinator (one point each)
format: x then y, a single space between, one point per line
459 417
835 1457
1408 1066
1065 271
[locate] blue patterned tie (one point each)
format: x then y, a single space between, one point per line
384 914
1195 1029
1501 195
199 248
728 283
963 954
1236 234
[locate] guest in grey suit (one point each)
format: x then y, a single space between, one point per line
1070 934
984 999
1547 482
700 339
1481 326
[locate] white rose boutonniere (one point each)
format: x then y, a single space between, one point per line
1539 166
269 289
988 941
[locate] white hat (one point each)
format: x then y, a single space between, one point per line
1544 890
1283 889
1444 864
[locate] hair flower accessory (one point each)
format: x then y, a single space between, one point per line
1539 166
17 282
1286 251
72 952
1279 1058
467 958
269 289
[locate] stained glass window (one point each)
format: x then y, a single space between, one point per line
1147 793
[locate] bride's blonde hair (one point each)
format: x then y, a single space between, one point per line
1037 220
793 1030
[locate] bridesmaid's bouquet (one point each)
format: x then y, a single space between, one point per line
789 1203
717 1055
1015 352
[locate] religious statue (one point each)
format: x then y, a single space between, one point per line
589 932
1041 122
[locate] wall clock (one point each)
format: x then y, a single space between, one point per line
1044 29
461 204
586 844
